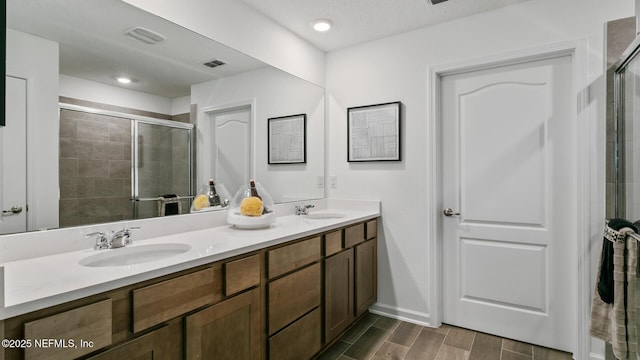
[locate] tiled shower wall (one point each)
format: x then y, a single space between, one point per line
95 168
95 165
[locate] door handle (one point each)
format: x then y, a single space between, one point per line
14 210
449 212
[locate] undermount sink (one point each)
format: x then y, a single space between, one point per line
319 216
134 254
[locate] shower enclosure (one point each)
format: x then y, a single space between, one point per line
625 156
116 166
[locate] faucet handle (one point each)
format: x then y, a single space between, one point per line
127 232
101 240
123 237
303 209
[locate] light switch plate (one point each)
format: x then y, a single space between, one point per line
333 181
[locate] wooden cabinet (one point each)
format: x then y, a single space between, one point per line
353 235
300 340
294 300
366 268
241 274
366 282
339 293
283 302
350 277
157 303
161 344
228 330
78 332
290 257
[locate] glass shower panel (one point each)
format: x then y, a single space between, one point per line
627 149
628 192
162 166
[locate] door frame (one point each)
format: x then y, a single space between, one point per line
204 123
587 139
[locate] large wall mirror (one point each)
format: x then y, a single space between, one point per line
81 148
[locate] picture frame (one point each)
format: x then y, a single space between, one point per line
287 139
373 132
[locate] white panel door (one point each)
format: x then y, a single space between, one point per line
13 168
232 148
508 150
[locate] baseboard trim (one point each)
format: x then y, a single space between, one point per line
394 312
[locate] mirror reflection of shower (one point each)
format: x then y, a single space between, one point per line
106 174
162 168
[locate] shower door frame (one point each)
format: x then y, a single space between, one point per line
135 156
619 70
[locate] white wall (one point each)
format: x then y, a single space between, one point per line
235 24
181 105
112 95
36 60
274 94
396 68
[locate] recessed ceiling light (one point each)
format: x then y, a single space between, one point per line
123 80
322 25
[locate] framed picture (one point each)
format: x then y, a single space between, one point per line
287 139
374 132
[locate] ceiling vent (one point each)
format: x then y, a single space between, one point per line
435 2
214 63
145 35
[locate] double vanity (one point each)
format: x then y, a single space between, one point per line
283 292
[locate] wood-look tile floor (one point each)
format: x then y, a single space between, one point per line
377 337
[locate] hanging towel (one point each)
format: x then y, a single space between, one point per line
169 205
614 322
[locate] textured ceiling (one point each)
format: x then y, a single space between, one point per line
358 21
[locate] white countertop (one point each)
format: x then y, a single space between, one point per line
37 283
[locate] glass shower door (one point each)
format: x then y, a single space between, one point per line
163 166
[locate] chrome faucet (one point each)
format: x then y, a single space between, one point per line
101 240
118 239
122 238
303 209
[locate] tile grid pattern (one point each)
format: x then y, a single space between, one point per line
376 337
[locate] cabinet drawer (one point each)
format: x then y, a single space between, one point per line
332 243
293 295
88 323
353 235
372 229
301 340
291 257
164 343
241 274
160 302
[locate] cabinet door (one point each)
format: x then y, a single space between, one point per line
366 275
162 344
228 330
339 291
